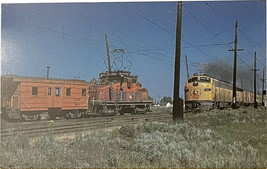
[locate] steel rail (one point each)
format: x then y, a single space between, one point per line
35 124
79 126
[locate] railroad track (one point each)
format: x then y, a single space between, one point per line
78 125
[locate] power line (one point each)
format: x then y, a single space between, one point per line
252 16
205 26
58 34
163 58
218 61
214 10
155 24
123 41
250 54
30 19
185 47
82 15
149 14
250 41
148 20
216 44
208 29
216 34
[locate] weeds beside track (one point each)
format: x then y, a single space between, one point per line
213 139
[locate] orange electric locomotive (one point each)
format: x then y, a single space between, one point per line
119 92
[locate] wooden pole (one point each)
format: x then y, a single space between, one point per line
177 102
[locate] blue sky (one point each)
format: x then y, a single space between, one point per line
70 38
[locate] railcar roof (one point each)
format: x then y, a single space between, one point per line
39 78
210 77
238 88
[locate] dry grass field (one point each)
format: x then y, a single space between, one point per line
214 139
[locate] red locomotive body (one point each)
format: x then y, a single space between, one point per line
26 97
119 92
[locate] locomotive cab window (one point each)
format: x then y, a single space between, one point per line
204 79
68 91
57 91
83 92
34 90
194 79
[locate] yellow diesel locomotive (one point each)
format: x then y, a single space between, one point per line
204 93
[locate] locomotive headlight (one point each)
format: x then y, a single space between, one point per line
195 91
195 83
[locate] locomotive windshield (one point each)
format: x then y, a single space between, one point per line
200 79
204 79
192 80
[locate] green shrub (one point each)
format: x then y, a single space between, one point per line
128 130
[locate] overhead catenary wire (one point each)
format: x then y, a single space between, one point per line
170 33
58 34
250 41
253 16
188 10
211 31
215 11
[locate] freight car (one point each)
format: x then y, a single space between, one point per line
204 92
28 97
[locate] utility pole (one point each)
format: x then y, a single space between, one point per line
242 86
255 82
235 65
263 80
186 66
109 65
177 102
47 71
